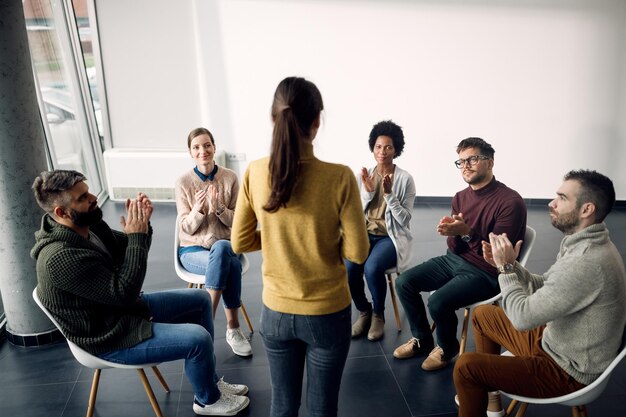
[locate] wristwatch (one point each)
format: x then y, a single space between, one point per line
506 268
466 238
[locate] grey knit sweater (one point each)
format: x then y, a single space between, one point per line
581 299
92 294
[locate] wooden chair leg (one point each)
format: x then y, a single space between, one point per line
94 392
522 410
160 378
148 388
466 315
579 411
246 318
510 408
394 301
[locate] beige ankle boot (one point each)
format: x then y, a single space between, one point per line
377 328
362 324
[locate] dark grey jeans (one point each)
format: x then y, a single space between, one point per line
457 283
319 342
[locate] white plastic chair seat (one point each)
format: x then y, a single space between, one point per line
198 279
91 361
576 399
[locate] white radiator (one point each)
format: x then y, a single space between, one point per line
153 172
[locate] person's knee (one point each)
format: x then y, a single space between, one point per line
374 269
463 366
199 340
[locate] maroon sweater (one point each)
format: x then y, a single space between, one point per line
494 208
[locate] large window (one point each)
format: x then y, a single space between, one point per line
60 36
63 41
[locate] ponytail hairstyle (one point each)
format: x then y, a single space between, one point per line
296 107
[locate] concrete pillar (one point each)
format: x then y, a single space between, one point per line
22 157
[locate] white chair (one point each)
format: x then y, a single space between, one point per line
197 280
91 361
529 241
577 399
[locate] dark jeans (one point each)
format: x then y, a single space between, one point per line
320 342
458 284
382 257
182 328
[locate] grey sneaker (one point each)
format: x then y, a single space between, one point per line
377 329
238 342
232 389
362 324
227 405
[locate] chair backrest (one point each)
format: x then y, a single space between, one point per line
46 311
529 241
82 356
190 276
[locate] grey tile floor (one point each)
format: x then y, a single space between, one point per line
47 381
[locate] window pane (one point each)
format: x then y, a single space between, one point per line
85 31
69 136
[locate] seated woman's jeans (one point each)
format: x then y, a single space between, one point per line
381 258
319 342
182 328
221 268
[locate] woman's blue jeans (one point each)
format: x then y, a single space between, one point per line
319 342
457 283
382 257
221 268
182 328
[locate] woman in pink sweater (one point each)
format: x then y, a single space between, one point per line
205 201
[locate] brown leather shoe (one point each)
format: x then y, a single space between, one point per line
377 329
414 347
435 360
362 324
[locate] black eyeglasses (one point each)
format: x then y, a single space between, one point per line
472 160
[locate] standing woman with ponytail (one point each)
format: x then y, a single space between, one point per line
311 219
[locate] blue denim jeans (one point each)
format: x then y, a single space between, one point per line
182 328
319 342
458 284
221 268
382 257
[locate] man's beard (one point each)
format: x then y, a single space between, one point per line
88 218
477 179
567 222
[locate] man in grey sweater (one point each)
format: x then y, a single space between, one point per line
565 326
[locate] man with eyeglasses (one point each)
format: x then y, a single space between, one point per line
461 277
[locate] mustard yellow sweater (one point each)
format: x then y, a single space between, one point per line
303 244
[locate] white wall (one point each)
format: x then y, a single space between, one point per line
543 81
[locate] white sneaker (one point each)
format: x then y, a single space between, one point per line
232 389
227 405
238 342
